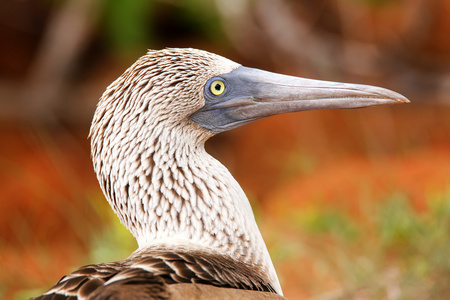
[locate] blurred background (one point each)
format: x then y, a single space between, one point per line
353 204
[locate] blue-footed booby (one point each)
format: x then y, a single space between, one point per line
193 223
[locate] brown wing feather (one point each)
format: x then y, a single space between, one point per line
148 273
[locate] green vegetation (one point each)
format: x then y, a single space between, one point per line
135 25
126 23
114 242
396 252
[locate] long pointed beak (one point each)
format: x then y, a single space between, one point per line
251 94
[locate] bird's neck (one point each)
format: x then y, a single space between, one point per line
168 190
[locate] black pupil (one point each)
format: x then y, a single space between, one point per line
217 87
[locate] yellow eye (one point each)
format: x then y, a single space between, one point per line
217 87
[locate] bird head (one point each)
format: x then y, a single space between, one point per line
172 87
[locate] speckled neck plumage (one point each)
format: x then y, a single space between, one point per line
152 166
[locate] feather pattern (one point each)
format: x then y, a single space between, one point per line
158 268
191 219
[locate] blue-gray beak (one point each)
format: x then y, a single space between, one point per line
245 95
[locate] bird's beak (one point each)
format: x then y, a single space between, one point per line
252 94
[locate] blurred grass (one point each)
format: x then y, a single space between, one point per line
391 251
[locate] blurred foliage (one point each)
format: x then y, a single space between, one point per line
327 221
377 2
135 25
390 251
202 16
299 163
126 23
114 242
399 226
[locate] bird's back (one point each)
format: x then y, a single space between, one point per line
159 274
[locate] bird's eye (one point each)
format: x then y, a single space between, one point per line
217 87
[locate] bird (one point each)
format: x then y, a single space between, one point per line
196 233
